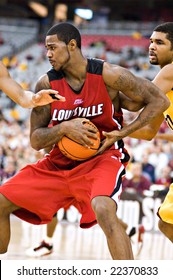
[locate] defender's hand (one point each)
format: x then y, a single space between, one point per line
46 96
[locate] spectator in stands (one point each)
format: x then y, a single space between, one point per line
158 158
138 182
1 40
135 187
2 157
148 169
165 180
9 169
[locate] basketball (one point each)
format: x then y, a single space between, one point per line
74 150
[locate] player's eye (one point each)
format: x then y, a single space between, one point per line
160 42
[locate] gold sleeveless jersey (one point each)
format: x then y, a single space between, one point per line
165 212
168 114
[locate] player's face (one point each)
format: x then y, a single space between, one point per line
160 52
57 52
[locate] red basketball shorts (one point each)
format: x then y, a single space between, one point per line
41 189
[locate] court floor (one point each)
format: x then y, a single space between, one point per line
73 243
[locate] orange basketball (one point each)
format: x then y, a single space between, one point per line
74 150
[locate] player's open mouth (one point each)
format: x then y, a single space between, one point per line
152 55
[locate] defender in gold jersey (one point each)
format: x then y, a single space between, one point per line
160 53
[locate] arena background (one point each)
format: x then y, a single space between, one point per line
117 31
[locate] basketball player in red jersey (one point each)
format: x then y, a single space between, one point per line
161 53
26 99
91 88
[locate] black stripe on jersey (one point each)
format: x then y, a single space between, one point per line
54 75
95 66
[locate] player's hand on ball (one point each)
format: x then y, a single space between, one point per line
72 147
80 132
110 139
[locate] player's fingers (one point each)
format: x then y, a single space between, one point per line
51 92
106 134
101 150
57 96
93 135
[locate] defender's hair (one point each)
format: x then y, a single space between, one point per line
166 28
65 32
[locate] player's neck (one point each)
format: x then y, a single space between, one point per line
163 65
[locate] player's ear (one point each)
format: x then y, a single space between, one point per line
72 44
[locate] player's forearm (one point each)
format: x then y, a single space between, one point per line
144 133
27 100
149 131
165 136
44 137
22 98
148 115
15 92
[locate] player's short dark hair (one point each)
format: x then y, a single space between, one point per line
166 28
65 32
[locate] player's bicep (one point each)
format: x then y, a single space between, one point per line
121 79
135 88
40 118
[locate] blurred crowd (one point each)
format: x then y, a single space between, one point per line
15 149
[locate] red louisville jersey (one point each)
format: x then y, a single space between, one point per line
92 102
